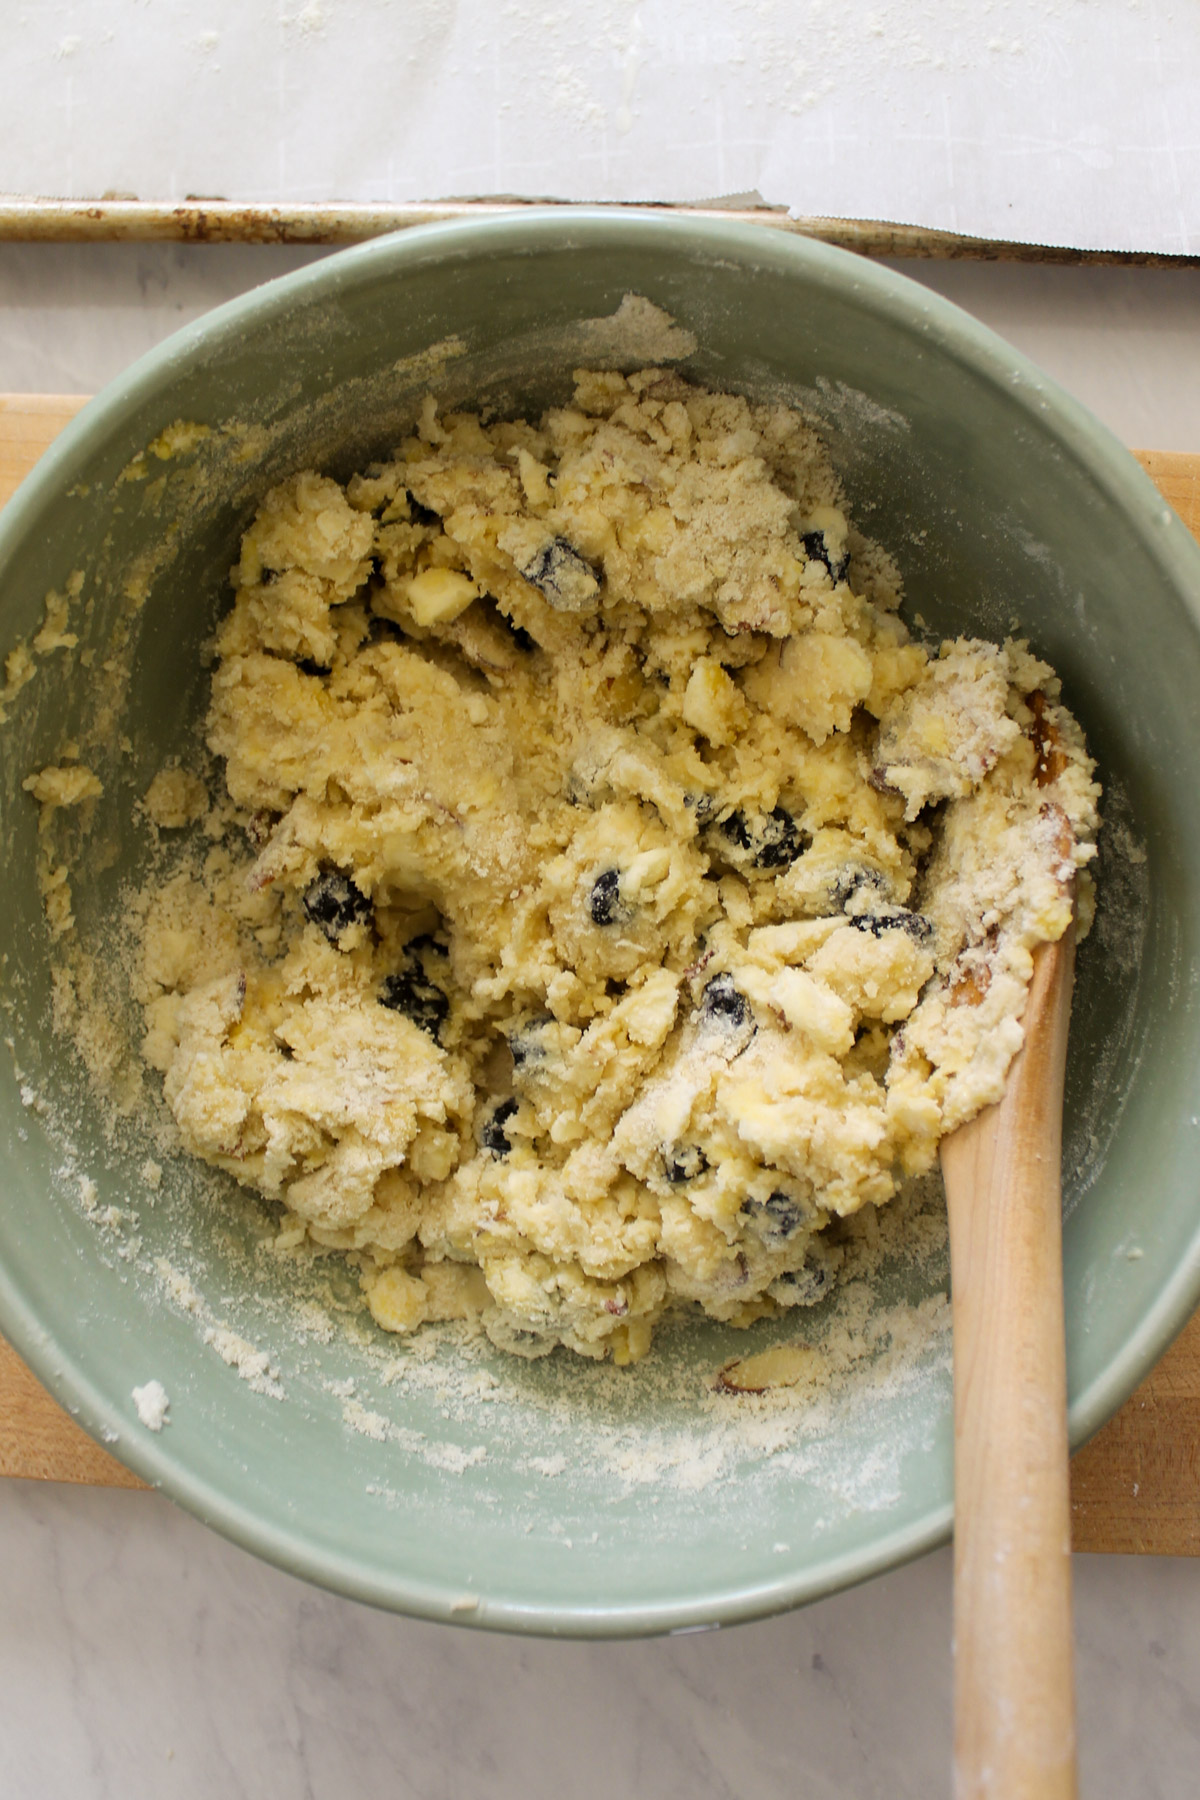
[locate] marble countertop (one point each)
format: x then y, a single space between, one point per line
142 1656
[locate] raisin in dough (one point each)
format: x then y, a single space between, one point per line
617 894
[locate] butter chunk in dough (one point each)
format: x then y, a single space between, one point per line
616 893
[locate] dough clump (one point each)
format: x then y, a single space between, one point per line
616 896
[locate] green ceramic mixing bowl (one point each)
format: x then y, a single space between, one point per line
463 1485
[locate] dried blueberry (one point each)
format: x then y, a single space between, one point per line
778 1216
604 901
896 918
784 1214
493 1136
412 993
684 1162
801 1287
851 884
723 1004
421 515
817 550
703 805
737 830
418 945
567 579
525 1040
780 840
334 903
760 840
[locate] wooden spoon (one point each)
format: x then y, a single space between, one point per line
1014 1702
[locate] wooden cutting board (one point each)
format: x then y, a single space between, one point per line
1135 1487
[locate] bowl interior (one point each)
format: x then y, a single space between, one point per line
443 1478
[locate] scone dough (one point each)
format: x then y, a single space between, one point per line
617 894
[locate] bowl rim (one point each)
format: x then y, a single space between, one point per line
537 229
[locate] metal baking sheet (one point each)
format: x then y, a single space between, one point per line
225 221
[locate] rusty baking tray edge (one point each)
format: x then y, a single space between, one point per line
215 221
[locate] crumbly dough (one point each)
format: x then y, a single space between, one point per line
618 894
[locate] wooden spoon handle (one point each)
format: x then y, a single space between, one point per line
1014 1684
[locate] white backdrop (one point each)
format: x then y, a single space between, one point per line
1055 121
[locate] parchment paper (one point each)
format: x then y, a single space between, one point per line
1054 121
